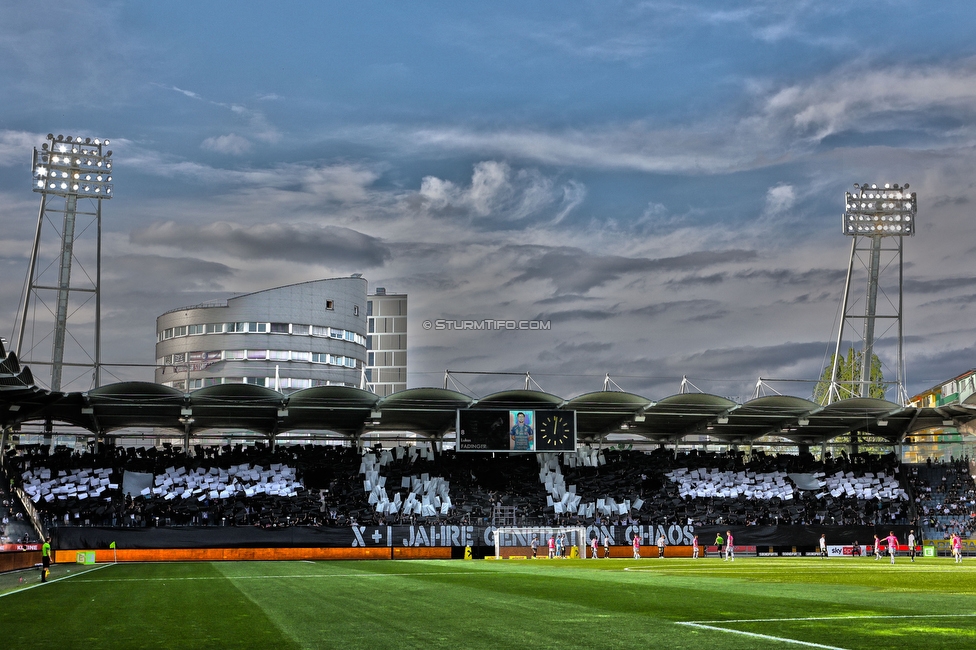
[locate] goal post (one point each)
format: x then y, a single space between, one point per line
516 541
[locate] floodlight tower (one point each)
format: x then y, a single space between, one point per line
66 169
873 216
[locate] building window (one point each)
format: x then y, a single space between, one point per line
330 304
215 328
194 329
279 328
355 310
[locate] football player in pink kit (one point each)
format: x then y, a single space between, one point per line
593 545
892 542
957 547
729 546
694 548
636 547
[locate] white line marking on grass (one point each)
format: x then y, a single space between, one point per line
761 636
705 624
51 582
836 618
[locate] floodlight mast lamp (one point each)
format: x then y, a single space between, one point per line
71 168
874 215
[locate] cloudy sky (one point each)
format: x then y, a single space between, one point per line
662 181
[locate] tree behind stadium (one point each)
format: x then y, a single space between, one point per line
848 376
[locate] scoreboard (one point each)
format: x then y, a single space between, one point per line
519 430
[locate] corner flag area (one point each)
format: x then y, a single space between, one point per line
674 603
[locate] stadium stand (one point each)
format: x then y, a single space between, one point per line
946 498
336 486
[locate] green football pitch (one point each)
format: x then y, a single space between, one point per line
673 603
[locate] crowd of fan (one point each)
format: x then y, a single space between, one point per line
14 527
646 477
342 485
945 498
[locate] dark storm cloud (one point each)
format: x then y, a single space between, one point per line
688 310
696 280
274 241
692 307
738 362
791 277
573 270
717 314
564 298
130 272
578 314
577 351
931 369
954 201
960 302
939 285
805 298
433 281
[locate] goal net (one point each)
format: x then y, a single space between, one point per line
517 541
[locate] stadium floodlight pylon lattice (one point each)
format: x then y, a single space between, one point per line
66 170
874 215
516 541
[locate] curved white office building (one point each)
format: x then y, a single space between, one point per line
289 338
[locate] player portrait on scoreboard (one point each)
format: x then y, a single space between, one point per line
522 435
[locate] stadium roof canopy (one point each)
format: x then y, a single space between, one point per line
343 412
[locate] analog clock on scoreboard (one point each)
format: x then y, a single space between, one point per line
556 430
516 430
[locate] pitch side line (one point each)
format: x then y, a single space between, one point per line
767 637
51 582
705 625
852 617
711 568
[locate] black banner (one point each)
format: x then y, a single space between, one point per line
87 538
